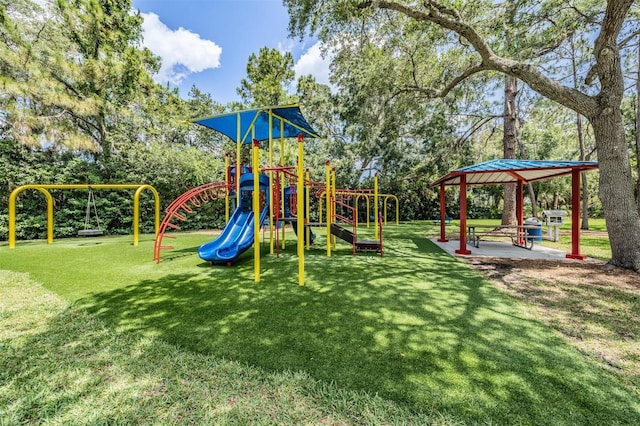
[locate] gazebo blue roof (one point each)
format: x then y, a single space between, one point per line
286 121
509 171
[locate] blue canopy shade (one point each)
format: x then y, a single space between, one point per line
508 171
258 118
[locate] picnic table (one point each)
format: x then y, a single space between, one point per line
447 219
517 233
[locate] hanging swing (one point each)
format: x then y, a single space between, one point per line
87 231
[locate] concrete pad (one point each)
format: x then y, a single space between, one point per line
501 249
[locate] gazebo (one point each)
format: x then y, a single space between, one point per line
520 172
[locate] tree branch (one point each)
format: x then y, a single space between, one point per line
66 84
466 74
451 20
626 40
606 48
474 128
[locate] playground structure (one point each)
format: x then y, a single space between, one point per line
44 189
280 194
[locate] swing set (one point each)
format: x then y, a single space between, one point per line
87 231
91 202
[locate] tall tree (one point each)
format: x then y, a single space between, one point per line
510 120
600 104
74 69
269 74
509 143
637 128
322 112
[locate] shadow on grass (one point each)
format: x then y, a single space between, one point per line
415 326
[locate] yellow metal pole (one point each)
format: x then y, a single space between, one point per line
375 206
252 124
256 211
327 191
12 213
368 209
307 209
300 208
227 183
49 217
271 238
136 211
386 198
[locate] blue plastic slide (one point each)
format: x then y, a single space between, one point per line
238 235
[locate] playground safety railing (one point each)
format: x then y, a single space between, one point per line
183 204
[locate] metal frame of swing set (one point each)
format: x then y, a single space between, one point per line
45 190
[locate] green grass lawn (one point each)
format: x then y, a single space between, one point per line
414 337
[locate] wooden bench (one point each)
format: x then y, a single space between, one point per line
517 233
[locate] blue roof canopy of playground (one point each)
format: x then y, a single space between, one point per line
509 171
286 121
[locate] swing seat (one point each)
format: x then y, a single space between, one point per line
90 232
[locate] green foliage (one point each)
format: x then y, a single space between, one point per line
391 70
268 75
79 106
171 169
72 73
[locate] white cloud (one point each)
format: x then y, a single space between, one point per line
312 62
183 52
286 46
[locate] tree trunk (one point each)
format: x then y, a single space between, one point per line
616 189
584 194
509 141
583 176
638 133
530 190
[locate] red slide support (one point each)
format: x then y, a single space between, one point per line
185 203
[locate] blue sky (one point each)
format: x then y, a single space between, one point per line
207 43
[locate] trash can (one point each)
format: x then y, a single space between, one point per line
534 234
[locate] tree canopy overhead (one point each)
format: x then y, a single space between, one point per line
478 31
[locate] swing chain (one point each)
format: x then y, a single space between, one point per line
91 200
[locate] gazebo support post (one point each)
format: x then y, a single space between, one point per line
575 217
519 204
443 234
463 216
520 208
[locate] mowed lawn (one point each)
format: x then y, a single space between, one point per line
415 336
